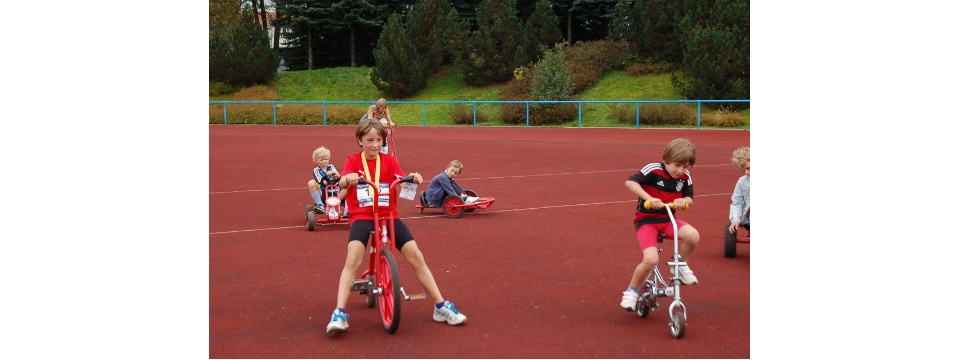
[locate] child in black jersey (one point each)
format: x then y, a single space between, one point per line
662 182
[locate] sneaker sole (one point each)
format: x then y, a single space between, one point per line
335 329
451 322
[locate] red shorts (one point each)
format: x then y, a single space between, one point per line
647 234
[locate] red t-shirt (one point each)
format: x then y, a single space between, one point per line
389 170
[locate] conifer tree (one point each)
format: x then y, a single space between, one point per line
496 46
430 27
716 50
542 31
399 71
240 52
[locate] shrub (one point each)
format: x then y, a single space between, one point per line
590 60
344 115
624 113
667 114
218 88
297 114
723 118
256 93
552 114
551 81
462 114
516 89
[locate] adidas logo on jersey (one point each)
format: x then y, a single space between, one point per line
660 183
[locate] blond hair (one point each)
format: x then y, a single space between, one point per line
320 151
456 164
741 157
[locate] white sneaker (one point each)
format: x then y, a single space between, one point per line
472 199
629 300
449 314
686 275
338 322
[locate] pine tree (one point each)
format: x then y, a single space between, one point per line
399 71
542 31
430 28
240 52
496 45
716 51
352 15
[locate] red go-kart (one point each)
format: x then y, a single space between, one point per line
453 206
334 210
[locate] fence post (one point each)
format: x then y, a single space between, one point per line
424 114
579 114
638 115
698 114
528 113
224 112
324 113
274 113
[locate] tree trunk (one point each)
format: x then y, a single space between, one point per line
353 50
263 15
309 49
569 28
256 15
276 38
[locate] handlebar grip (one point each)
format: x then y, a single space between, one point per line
361 181
647 205
406 179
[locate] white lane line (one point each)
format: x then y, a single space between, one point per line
484 211
463 179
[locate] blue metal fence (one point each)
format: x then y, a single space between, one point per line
474 104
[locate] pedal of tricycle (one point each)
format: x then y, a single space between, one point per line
360 284
420 296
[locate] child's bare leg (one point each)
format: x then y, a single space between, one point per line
689 239
349 273
646 265
414 257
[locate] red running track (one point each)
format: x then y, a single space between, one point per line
539 274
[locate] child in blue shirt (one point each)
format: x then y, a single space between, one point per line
444 185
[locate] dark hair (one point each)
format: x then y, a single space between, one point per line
680 151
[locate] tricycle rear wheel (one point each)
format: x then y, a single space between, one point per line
453 206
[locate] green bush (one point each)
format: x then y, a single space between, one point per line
667 114
218 88
723 118
648 67
463 115
590 60
515 90
624 113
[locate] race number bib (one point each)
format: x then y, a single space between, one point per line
408 191
365 195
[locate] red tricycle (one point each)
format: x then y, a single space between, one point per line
730 240
334 211
453 206
381 281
